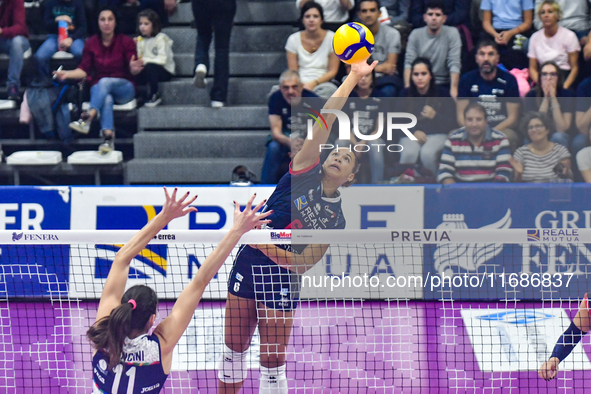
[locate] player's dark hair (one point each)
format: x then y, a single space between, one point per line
153 17
487 42
412 90
108 334
476 106
435 5
309 5
546 120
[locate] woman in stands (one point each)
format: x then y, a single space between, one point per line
554 42
431 104
309 52
541 160
264 283
580 325
109 62
126 358
549 97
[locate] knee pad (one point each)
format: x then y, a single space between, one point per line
273 380
232 367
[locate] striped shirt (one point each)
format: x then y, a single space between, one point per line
540 168
464 162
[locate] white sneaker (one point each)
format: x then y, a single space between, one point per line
199 78
217 104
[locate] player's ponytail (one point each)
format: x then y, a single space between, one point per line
138 304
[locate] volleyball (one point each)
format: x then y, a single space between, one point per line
353 43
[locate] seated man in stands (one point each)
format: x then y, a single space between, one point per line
493 88
282 125
476 152
440 44
386 49
456 11
13 41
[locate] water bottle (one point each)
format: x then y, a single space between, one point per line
62 31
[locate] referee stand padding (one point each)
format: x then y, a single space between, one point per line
41 163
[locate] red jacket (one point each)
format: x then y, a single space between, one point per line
99 61
12 19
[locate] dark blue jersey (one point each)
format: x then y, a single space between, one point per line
297 203
140 370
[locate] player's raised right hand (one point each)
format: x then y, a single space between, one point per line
549 369
362 68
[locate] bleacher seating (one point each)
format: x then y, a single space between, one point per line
186 141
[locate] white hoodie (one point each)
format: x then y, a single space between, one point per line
156 50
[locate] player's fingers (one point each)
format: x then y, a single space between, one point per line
183 198
264 215
166 194
190 201
249 203
260 205
236 208
173 197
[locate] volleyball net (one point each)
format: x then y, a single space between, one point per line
414 311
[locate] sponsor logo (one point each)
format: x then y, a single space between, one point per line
533 235
420 236
517 317
300 202
16 236
150 388
166 237
102 365
280 235
34 237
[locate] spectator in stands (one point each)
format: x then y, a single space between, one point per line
584 163
283 124
366 106
549 97
154 50
494 89
503 20
109 62
128 10
575 17
74 14
476 152
213 16
434 110
397 11
457 12
555 43
582 116
336 12
541 160
309 52
386 49
441 44
13 41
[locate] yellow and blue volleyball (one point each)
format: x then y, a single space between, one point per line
353 43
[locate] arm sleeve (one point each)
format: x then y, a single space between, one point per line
395 43
463 87
19 26
411 51
518 155
274 107
485 5
567 342
290 45
572 44
79 22
454 62
447 163
130 49
527 5
49 18
87 59
504 170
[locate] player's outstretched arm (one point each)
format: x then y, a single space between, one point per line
567 341
311 150
117 278
170 329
